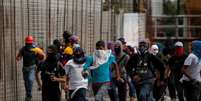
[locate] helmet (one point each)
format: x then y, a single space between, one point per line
29 40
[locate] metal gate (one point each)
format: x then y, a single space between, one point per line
46 20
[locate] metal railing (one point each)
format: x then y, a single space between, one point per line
184 27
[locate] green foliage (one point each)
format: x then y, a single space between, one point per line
170 8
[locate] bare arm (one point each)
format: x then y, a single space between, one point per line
65 85
116 68
38 80
19 56
167 72
58 79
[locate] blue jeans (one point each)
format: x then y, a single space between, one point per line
145 92
113 91
29 77
131 85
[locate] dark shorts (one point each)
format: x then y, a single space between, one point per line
51 95
192 90
80 95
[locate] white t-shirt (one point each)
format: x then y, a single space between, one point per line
194 67
74 72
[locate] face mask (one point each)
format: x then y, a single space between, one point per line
142 49
52 57
154 49
98 53
102 53
76 45
179 51
117 50
155 52
79 58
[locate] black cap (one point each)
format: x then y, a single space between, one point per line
122 40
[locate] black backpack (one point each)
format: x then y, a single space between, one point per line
29 57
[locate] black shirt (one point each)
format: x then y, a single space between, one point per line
47 69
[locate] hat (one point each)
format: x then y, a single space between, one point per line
179 44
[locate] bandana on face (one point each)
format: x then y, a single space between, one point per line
79 56
101 56
179 51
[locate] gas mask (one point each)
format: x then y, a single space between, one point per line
143 47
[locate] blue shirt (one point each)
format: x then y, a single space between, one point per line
102 73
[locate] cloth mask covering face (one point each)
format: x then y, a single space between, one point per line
79 58
76 45
179 51
101 56
52 57
117 50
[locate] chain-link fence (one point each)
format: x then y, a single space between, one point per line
46 20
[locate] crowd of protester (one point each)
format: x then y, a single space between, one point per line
114 69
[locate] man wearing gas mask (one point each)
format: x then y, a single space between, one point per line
51 76
144 73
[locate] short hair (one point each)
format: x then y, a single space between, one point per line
53 48
100 43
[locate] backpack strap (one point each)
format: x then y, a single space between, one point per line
122 57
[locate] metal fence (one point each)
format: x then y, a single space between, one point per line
46 20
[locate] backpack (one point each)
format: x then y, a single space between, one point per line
144 64
29 57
